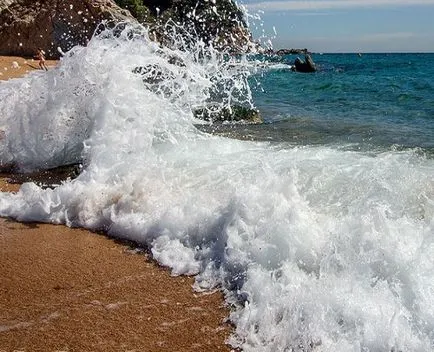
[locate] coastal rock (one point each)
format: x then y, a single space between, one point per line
58 25
236 113
304 66
49 178
217 23
5 3
52 25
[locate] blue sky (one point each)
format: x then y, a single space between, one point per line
344 25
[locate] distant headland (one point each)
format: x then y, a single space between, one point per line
282 52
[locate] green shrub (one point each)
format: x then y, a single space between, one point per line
136 8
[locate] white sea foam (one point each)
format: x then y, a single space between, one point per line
320 249
280 66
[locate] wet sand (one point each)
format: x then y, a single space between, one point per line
66 289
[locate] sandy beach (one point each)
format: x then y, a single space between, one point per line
66 289
15 66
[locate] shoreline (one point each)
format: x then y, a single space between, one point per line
69 289
16 66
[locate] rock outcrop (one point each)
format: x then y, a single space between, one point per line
51 25
304 66
236 113
218 23
5 3
26 25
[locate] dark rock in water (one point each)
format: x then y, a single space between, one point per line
153 73
304 66
49 178
26 25
235 114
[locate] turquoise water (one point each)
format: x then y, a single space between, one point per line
368 101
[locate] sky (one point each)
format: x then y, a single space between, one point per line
325 26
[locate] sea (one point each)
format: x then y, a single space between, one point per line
317 224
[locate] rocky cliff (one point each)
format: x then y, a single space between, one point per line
5 3
26 25
218 23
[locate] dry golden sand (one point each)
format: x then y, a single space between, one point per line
15 66
66 289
